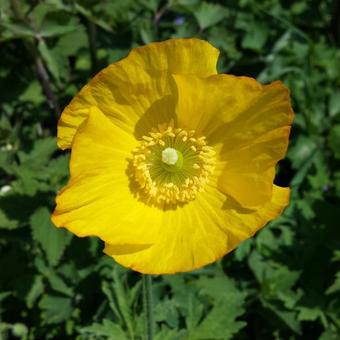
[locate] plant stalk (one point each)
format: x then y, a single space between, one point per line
148 307
92 38
40 68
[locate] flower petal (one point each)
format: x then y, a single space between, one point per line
138 85
98 199
247 123
204 104
199 233
254 142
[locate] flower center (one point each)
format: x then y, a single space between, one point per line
169 156
172 165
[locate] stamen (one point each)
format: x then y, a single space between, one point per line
172 165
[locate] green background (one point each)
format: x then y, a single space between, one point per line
282 284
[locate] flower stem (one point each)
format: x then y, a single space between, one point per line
148 307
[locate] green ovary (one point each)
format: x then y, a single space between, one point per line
162 172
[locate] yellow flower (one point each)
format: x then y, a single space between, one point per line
172 164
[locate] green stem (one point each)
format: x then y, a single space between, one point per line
148 307
0 323
92 37
40 69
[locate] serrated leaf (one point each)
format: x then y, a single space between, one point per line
107 329
55 279
55 309
40 154
122 301
166 311
194 312
171 334
52 240
106 288
220 322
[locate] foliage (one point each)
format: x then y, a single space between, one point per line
283 284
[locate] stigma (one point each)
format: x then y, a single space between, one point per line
171 165
169 156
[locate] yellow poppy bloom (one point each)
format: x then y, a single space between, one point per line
172 164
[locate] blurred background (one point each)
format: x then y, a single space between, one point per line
283 284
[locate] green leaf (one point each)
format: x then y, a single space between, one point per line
335 287
51 239
166 311
40 153
51 29
330 334
301 150
287 316
208 14
4 295
334 140
106 288
152 5
92 17
16 30
50 59
194 312
33 93
171 334
309 314
243 249
55 309
220 322
122 301
7 223
70 44
36 291
256 36
106 329
334 104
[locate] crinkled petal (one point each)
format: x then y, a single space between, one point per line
254 143
200 232
98 199
136 90
205 104
248 124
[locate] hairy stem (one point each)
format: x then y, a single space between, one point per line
148 307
